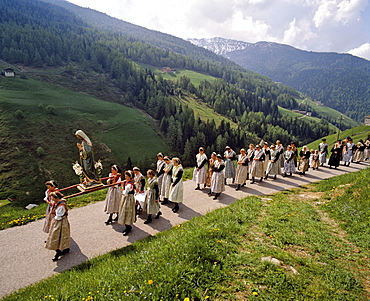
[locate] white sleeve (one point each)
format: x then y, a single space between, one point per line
128 188
59 212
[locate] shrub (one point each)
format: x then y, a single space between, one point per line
40 151
19 114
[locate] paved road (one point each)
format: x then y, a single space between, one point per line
24 260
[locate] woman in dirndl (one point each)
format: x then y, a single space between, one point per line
127 209
218 178
273 167
114 194
242 169
211 164
200 170
257 164
151 203
59 234
304 161
51 187
289 167
177 187
166 181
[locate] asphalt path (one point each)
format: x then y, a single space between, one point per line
24 260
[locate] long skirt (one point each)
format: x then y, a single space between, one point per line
315 164
59 235
230 169
367 153
150 205
303 165
359 156
160 180
265 165
200 176
218 182
348 156
322 158
48 220
241 174
289 167
112 200
334 160
127 210
257 169
273 169
177 192
209 178
166 184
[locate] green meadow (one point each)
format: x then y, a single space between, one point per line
307 243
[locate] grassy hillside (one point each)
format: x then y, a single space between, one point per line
308 243
36 114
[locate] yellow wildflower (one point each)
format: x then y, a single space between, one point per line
150 281
187 299
255 294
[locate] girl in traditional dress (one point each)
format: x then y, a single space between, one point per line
304 161
267 152
211 164
257 164
127 209
230 169
166 181
280 149
312 155
218 177
289 167
51 187
250 154
114 194
139 180
242 169
160 170
177 188
273 167
200 170
359 153
367 150
316 160
334 159
59 235
151 203
323 150
348 152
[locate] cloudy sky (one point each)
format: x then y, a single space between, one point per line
316 25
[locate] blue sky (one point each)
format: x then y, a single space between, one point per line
316 25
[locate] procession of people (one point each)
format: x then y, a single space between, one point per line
130 194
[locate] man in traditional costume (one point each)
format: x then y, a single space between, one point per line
242 169
200 170
230 169
87 158
323 150
257 164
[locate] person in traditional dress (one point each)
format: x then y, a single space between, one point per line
289 167
50 187
200 170
323 150
127 209
339 142
242 169
312 155
257 164
114 194
334 159
87 159
316 160
367 150
211 164
295 151
359 153
160 170
304 160
151 203
348 152
177 187
230 169
59 234
166 181
218 177
139 180
280 149
267 153
273 167
250 154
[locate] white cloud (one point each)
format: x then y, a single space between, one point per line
298 34
362 51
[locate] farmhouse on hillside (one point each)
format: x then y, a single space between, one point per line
8 72
168 69
367 120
